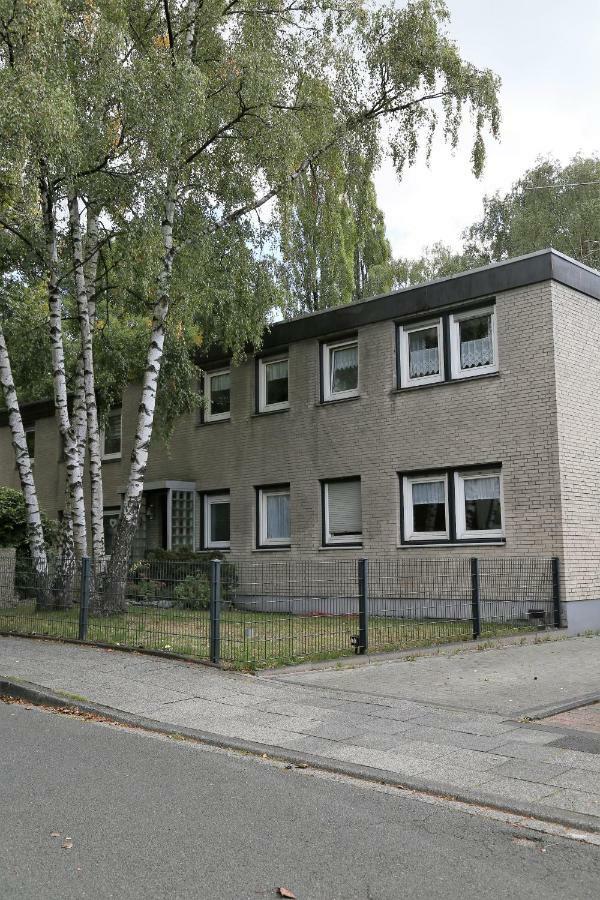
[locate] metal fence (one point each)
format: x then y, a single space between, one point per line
248 614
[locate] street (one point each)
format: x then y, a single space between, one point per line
154 817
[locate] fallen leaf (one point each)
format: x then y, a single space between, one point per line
67 844
55 834
285 892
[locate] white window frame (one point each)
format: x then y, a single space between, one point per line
462 534
263 540
333 539
208 376
409 533
328 394
405 331
103 435
263 406
209 499
455 320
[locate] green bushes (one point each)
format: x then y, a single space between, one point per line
13 523
192 593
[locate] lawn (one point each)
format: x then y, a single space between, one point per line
248 639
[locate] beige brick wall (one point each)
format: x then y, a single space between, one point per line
577 351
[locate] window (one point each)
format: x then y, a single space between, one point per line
478 504
110 520
272 384
473 343
218 395
342 512
182 519
30 441
426 508
274 516
111 435
340 370
216 521
421 353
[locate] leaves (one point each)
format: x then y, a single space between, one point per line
285 892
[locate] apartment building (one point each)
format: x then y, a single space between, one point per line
456 417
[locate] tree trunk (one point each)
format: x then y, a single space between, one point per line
71 450
87 358
35 531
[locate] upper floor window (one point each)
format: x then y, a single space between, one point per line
217 521
273 384
340 370
112 435
342 512
274 516
217 387
421 353
473 342
30 441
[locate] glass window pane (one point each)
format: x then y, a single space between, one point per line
344 508
344 369
30 441
476 346
219 522
110 519
220 390
423 352
482 504
429 507
112 432
278 516
276 378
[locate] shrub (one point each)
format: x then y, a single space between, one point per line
192 593
13 523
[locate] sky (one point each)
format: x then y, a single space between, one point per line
547 53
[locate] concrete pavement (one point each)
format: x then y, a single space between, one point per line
447 722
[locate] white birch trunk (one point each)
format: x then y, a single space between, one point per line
87 357
70 446
35 531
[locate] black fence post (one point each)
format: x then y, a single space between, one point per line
475 598
215 610
363 606
84 598
556 590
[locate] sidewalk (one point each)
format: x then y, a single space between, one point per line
446 722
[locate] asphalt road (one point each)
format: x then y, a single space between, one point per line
155 818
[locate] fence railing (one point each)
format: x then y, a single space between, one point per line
248 613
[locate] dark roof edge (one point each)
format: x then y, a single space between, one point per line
36 409
534 268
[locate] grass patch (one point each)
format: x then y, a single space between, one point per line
249 639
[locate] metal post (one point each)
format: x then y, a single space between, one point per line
215 610
363 606
84 598
475 598
556 590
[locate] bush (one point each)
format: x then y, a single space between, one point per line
13 523
192 593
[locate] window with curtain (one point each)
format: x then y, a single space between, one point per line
111 435
340 370
218 395
473 343
273 385
274 516
429 506
216 520
482 503
423 352
343 511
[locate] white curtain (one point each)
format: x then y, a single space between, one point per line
220 382
277 371
424 360
346 358
482 488
278 516
478 351
344 507
428 492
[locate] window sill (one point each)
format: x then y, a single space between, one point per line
338 400
112 458
341 546
269 412
213 422
493 542
272 549
446 383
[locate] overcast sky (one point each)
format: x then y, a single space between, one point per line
547 53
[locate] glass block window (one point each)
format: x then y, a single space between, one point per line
182 519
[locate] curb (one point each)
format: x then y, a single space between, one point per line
41 696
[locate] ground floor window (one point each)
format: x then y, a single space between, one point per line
182 519
342 512
274 516
110 518
217 521
455 505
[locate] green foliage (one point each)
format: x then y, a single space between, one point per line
192 593
13 523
